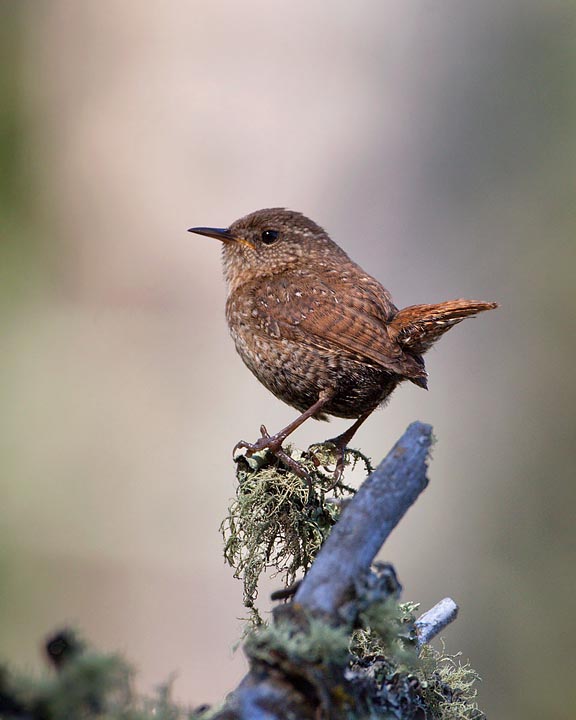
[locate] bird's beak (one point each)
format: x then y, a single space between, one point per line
223 234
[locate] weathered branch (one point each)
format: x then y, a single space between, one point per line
366 522
432 622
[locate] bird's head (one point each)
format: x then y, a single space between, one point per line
267 242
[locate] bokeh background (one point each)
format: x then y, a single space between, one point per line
435 142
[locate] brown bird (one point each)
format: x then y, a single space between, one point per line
315 329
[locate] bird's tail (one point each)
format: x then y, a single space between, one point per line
417 327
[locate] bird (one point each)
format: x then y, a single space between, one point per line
316 330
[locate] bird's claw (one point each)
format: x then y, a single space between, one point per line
273 444
340 451
265 442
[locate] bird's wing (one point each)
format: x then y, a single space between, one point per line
348 317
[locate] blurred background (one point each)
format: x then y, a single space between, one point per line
435 142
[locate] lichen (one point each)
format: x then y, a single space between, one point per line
449 685
376 670
386 629
316 643
410 680
278 521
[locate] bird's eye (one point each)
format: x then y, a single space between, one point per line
270 236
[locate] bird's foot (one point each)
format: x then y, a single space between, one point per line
273 444
339 444
266 442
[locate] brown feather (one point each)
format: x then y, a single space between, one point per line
417 327
348 319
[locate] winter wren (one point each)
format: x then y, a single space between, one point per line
314 328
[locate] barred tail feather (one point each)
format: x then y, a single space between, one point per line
417 327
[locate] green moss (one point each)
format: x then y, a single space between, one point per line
376 669
89 685
303 643
371 668
386 630
448 685
411 683
278 521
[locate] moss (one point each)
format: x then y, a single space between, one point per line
279 521
313 655
89 685
312 642
410 683
448 685
374 671
370 668
386 630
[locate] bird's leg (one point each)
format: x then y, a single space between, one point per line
341 442
273 443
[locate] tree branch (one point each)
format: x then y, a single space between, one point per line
367 521
432 622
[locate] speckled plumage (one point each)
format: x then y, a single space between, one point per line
310 323
291 332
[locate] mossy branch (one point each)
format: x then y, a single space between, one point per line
344 647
